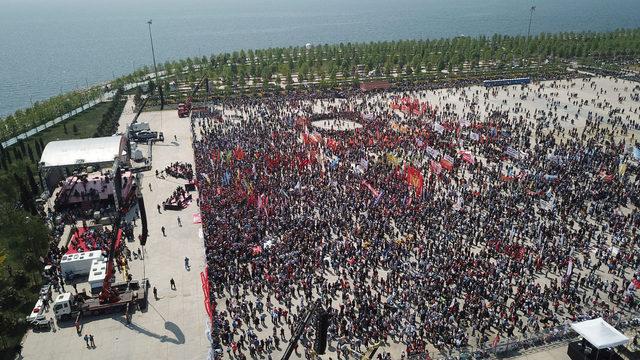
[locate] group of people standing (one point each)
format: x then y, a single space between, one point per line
531 226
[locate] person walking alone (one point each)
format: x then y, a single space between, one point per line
173 284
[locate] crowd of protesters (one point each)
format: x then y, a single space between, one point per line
180 170
438 224
178 200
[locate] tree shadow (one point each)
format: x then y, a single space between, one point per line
168 325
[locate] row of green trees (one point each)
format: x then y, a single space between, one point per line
109 122
23 241
42 112
328 63
406 57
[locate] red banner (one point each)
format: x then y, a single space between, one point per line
205 290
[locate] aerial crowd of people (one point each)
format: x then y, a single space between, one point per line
468 222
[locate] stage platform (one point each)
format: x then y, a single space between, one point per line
77 190
85 240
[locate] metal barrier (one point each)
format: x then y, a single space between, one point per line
553 335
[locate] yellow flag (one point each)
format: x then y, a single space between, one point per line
622 169
392 159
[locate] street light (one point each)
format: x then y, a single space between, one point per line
533 8
153 53
155 68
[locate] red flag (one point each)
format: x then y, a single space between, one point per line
467 156
496 340
238 153
303 161
332 144
414 178
272 161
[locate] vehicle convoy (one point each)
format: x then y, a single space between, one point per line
184 109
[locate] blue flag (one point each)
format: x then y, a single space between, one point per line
226 178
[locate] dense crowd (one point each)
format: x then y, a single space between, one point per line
441 230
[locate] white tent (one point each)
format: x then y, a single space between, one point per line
599 333
102 150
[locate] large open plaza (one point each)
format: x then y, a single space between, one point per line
426 223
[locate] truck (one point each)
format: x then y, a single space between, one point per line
130 295
78 264
184 109
113 297
38 319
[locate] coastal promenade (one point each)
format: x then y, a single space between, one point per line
105 97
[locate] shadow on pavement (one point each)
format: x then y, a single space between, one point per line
168 325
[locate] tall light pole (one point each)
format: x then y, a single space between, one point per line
153 53
155 68
533 8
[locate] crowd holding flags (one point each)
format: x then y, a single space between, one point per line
326 199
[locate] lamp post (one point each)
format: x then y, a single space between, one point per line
153 53
533 8
155 68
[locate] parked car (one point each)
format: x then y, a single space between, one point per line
145 136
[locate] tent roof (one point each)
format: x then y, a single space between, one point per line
599 333
82 151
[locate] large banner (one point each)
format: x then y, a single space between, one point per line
512 152
205 289
432 152
414 178
446 162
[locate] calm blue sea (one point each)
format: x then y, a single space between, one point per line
51 46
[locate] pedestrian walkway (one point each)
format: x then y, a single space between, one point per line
173 327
